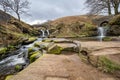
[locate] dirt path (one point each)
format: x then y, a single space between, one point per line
61 67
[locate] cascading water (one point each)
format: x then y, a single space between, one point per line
20 57
101 33
48 33
45 33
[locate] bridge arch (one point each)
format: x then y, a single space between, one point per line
104 23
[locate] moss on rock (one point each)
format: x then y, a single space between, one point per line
3 50
37 45
29 40
55 49
32 49
43 45
18 67
35 55
8 77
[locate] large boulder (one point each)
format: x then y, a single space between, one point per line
57 48
61 44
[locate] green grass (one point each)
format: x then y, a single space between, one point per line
108 65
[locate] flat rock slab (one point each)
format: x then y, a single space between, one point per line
94 45
107 51
60 67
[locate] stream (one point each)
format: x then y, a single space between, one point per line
19 57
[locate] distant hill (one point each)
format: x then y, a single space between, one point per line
73 26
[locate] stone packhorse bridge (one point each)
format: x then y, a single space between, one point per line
102 21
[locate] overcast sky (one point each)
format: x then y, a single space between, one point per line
42 10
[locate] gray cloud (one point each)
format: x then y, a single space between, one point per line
51 9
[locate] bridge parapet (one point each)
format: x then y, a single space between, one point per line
102 20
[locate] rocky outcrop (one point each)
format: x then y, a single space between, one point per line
52 46
104 58
61 44
114 28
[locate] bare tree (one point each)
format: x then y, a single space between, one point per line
115 4
4 7
17 6
98 6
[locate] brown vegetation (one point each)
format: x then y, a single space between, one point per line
12 29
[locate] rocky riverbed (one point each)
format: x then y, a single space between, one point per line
64 63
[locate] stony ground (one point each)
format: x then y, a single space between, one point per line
67 66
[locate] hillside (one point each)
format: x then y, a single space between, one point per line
72 26
12 30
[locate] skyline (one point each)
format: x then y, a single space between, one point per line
43 10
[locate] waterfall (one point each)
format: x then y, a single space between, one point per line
48 33
45 33
101 33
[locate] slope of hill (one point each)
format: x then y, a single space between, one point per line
73 26
12 30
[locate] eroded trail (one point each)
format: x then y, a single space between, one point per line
67 66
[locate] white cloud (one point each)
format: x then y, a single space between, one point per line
37 22
51 9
